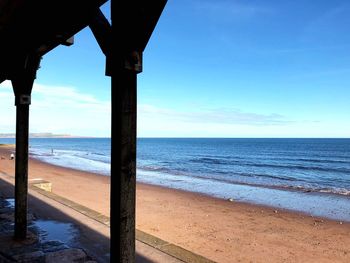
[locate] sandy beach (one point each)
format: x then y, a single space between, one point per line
218 229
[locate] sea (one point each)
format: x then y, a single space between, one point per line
305 175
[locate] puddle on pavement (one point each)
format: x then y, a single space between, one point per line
10 202
50 230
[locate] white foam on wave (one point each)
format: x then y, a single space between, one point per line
72 159
318 204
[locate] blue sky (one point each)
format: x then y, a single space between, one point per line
212 68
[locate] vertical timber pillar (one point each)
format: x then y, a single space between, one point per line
133 22
123 166
22 85
21 170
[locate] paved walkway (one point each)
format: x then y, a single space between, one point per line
81 228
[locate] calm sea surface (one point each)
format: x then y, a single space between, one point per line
309 175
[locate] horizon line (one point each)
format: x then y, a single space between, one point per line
172 137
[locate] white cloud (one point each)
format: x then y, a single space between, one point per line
58 109
7 109
162 122
63 97
220 122
218 115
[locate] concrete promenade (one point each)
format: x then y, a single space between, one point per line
81 233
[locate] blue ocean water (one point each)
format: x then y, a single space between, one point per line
309 175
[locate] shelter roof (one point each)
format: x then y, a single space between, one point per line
28 26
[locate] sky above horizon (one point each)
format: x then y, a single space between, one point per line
212 68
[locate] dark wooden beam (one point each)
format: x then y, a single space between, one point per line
68 42
21 171
139 19
123 167
22 85
39 26
132 26
102 31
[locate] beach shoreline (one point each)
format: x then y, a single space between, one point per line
216 228
106 179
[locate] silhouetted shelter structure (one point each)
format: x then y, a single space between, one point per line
29 30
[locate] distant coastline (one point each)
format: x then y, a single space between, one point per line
42 135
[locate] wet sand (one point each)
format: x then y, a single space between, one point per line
218 229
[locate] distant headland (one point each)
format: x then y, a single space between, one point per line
40 135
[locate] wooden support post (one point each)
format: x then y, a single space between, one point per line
21 171
22 84
133 22
123 166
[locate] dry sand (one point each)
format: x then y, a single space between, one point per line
217 229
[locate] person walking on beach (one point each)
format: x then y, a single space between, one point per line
12 156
